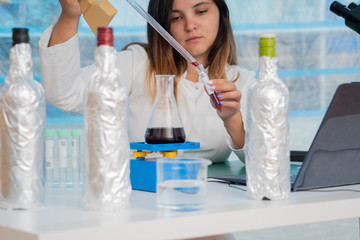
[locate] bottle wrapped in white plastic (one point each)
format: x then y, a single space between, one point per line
107 158
22 123
267 149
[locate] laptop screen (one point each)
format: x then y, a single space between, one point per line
334 155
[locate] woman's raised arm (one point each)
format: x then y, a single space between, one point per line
68 23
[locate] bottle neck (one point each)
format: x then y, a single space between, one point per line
105 53
268 68
165 86
20 62
268 62
20 55
105 58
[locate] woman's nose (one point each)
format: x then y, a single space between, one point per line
190 25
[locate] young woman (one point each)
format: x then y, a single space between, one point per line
203 28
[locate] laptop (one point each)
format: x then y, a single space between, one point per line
333 158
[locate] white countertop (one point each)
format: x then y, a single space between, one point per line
227 210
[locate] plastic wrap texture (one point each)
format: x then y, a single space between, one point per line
107 184
22 123
267 135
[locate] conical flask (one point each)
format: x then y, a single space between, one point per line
165 124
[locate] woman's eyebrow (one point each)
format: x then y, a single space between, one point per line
195 6
199 4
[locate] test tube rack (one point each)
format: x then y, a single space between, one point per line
143 170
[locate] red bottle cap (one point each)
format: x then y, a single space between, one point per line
105 36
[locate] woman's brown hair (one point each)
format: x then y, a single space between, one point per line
163 59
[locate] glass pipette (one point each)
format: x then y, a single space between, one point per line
199 67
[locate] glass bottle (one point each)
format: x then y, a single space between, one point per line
107 186
267 130
23 117
165 124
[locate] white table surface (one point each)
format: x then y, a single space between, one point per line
227 210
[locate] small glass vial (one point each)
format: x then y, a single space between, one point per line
75 163
49 159
62 158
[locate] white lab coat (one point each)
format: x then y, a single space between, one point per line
65 82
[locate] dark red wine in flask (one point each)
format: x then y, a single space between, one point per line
165 124
165 135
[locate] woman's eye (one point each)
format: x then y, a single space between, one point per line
202 11
175 18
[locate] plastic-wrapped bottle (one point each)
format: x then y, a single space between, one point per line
267 130
22 117
107 156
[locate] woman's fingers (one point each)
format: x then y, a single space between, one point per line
230 96
225 90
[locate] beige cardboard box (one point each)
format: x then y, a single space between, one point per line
97 13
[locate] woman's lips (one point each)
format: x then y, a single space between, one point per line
193 39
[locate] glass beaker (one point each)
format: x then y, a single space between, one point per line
181 183
165 124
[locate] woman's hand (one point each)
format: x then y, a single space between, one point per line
70 8
68 23
230 97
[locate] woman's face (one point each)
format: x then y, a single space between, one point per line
195 25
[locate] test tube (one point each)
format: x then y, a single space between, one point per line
76 165
49 159
62 161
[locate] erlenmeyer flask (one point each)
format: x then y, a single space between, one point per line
165 124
